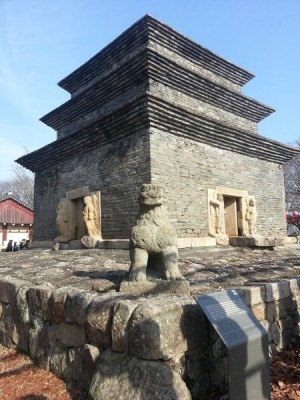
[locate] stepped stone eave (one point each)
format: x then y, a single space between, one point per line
160 116
204 57
90 69
124 78
109 129
258 112
188 82
52 154
167 116
57 119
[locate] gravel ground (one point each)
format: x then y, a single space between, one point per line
206 269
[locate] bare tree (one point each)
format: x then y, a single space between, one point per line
20 185
292 182
4 188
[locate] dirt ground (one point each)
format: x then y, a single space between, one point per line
285 373
21 380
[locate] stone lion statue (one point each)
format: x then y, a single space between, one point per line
153 234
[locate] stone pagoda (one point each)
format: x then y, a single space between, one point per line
155 107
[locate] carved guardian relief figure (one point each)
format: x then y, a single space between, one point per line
63 222
91 218
90 215
153 234
216 214
251 216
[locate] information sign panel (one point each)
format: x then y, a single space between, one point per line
246 341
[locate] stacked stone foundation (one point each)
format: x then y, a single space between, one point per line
112 343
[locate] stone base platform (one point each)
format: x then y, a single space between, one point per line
119 244
205 241
123 244
142 288
256 241
290 240
183 243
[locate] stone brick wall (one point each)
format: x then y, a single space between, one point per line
117 169
276 306
69 331
187 168
184 167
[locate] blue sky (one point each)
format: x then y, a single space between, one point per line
42 41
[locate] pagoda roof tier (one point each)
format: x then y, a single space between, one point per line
149 32
105 94
149 113
130 119
168 117
135 75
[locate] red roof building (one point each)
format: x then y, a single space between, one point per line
16 221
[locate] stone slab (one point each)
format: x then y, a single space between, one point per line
252 295
196 242
295 286
180 287
71 335
78 193
225 191
275 291
122 244
164 327
290 240
120 376
9 288
256 241
75 245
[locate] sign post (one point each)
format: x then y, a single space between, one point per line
246 341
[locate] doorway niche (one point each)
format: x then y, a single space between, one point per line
76 204
231 215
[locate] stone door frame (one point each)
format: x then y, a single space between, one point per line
240 196
72 196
